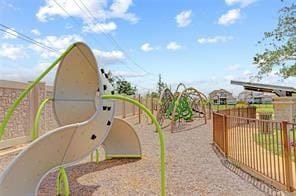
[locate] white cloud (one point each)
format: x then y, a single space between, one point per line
24 73
247 73
230 17
127 74
42 66
5 5
229 77
243 3
100 11
100 27
234 67
58 43
12 52
173 46
146 47
35 32
213 40
108 57
119 9
51 9
183 19
10 34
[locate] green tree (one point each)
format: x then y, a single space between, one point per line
280 46
154 94
112 79
123 86
160 85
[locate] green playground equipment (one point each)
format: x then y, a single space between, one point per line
183 109
182 106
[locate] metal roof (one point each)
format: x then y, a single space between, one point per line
281 91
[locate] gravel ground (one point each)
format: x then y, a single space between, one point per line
193 168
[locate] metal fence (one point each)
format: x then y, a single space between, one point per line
266 149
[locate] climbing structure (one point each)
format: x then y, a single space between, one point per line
182 107
83 102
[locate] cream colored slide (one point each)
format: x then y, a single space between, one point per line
85 121
122 141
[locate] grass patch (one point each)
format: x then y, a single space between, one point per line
272 141
260 108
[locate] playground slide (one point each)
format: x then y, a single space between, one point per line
85 121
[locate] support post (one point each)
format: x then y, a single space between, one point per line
152 109
287 157
225 135
123 109
139 99
134 107
210 111
34 103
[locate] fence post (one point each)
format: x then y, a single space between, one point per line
210 111
225 135
123 109
152 105
35 97
139 99
214 128
134 107
287 157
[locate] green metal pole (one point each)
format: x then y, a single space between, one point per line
62 178
58 183
28 89
97 156
37 118
160 134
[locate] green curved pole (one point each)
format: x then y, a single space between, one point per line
97 156
37 118
158 129
58 183
62 178
12 108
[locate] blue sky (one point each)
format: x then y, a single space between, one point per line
202 43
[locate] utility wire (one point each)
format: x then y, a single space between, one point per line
77 23
25 38
39 44
112 39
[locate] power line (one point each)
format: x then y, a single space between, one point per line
111 38
77 23
25 38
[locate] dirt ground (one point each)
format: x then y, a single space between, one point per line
192 168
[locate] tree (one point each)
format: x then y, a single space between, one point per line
121 85
280 46
125 87
112 79
160 85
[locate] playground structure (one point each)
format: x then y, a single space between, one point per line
182 107
84 109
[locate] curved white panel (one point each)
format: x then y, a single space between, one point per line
122 141
75 101
75 87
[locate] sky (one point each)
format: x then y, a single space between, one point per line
202 43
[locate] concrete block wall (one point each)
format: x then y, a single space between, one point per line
19 128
